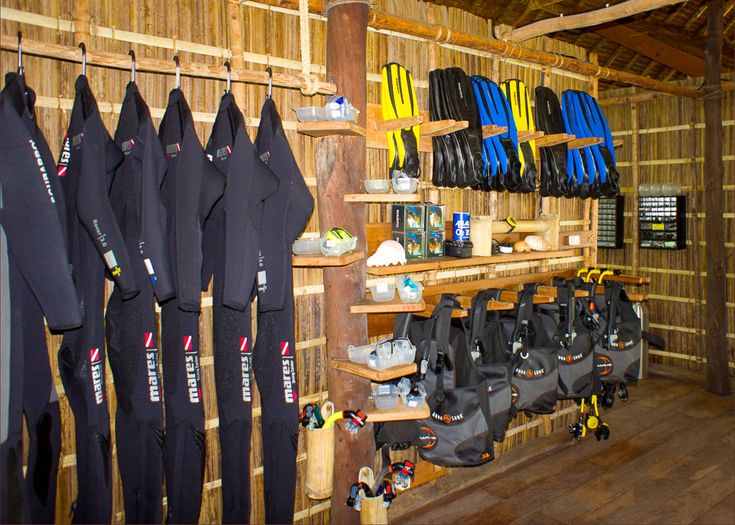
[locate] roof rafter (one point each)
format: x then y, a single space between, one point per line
655 49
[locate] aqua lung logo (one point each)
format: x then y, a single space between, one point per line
223 153
191 358
427 438
42 170
64 157
151 361
95 367
448 419
289 373
172 150
569 358
529 372
127 146
245 363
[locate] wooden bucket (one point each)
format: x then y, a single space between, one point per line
320 458
373 511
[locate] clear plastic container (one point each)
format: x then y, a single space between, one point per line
342 114
405 185
359 354
411 397
383 292
377 186
385 395
306 247
310 114
391 352
409 291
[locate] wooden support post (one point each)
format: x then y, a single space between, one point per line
590 206
635 166
718 380
236 45
340 168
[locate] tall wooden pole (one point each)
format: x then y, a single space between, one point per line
340 169
718 378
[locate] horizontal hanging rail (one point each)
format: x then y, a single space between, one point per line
153 65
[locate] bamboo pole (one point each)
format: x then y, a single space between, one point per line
591 18
635 181
444 35
718 380
645 97
192 69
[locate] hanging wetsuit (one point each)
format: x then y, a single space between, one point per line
232 240
35 282
87 163
132 339
286 215
190 189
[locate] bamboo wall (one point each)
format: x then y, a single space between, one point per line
199 31
669 132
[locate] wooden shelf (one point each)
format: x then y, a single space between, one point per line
446 263
400 413
303 261
394 306
395 124
526 136
618 143
435 128
553 291
492 306
492 130
457 313
379 376
583 142
382 197
328 127
554 139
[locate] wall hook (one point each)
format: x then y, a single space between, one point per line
270 82
84 58
21 71
131 53
178 71
229 77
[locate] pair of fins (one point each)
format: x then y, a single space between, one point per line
509 164
592 167
457 156
398 100
555 180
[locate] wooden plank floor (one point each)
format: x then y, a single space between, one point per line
670 459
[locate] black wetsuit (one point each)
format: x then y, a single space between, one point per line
190 189
87 163
35 282
232 240
286 215
132 339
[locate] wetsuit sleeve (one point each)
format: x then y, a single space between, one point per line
248 184
152 242
204 186
29 216
95 211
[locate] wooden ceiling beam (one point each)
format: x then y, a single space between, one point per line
436 33
592 18
674 38
655 49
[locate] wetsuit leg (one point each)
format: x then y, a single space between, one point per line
233 349
275 371
82 370
184 439
11 393
41 408
132 346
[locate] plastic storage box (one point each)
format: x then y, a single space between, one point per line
391 352
408 293
377 186
311 114
359 354
383 292
385 395
306 247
